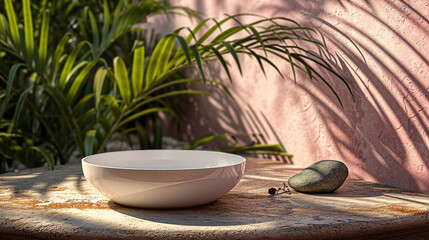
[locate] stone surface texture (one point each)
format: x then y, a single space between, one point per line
381 47
60 204
321 177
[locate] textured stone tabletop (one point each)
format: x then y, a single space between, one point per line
60 204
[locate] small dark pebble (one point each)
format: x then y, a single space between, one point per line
272 191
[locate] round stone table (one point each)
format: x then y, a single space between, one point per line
60 204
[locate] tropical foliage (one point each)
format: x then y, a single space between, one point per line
74 83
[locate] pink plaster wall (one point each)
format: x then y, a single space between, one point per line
383 135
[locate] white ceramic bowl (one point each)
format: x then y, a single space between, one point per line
163 178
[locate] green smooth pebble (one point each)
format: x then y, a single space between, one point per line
321 177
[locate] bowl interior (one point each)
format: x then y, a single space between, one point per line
163 159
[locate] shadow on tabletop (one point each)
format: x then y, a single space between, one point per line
235 209
354 188
230 210
43 180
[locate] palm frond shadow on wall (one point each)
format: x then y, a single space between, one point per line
380 48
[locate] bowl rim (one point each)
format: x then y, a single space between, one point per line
241 160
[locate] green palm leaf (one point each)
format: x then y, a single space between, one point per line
65 74
121 76
89 142
3 27
28 27
145 112
199 61
48 157
234 55
201 141
77 83
10 81
13 25
100 75
78 107
106 21
95 33
19 107
159 60
138 70
43 43
55 64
